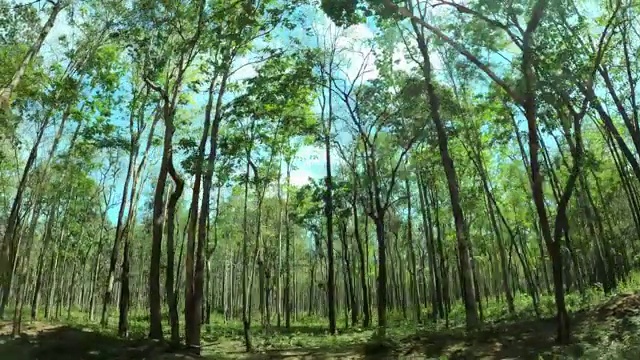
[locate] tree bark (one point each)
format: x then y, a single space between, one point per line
287 244
530 109
412 256
171 295
435 274
6 92
471 306
155 312
366 308
120 233
45 249
328 210
245 263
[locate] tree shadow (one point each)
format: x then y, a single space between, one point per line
320 353
66 342
521 339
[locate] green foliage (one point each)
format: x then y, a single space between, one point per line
120 69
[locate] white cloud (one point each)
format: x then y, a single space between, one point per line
244 69
355 44
310 163
311 155
300 177
352 44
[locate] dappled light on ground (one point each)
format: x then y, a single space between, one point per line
42 341
612 322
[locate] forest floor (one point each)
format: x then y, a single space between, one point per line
607 330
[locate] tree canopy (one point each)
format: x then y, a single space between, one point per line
191 165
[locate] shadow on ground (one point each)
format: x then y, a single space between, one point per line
523 339
533 338
64 342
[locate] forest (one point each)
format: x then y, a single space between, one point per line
270 179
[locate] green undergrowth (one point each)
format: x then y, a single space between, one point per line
604 327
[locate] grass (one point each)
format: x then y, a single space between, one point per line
604 327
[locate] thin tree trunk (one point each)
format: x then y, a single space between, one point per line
553 244
45 249
245 263
169 280
6 92
6 251
435 274
347 272
120 233
412 256
471 306
287 242
494 224
366 308
155 308
328 210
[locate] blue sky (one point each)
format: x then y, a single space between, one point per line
310 162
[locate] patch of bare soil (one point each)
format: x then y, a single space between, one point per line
620 306
31 328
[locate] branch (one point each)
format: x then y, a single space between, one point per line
465 10
406 44
343 155
174 174
156 88
561 215
258 61
457 46
18 6
395 171
536 16
254 168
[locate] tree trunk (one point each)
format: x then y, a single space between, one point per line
471 307
245 263
496 229
96 266
366 309
435 274
328 210
6 92
53 267
6 270
382 275
51 219
347 273
195 267
412 257
120 233
155 308
553 245
171 294
279 269
287 242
